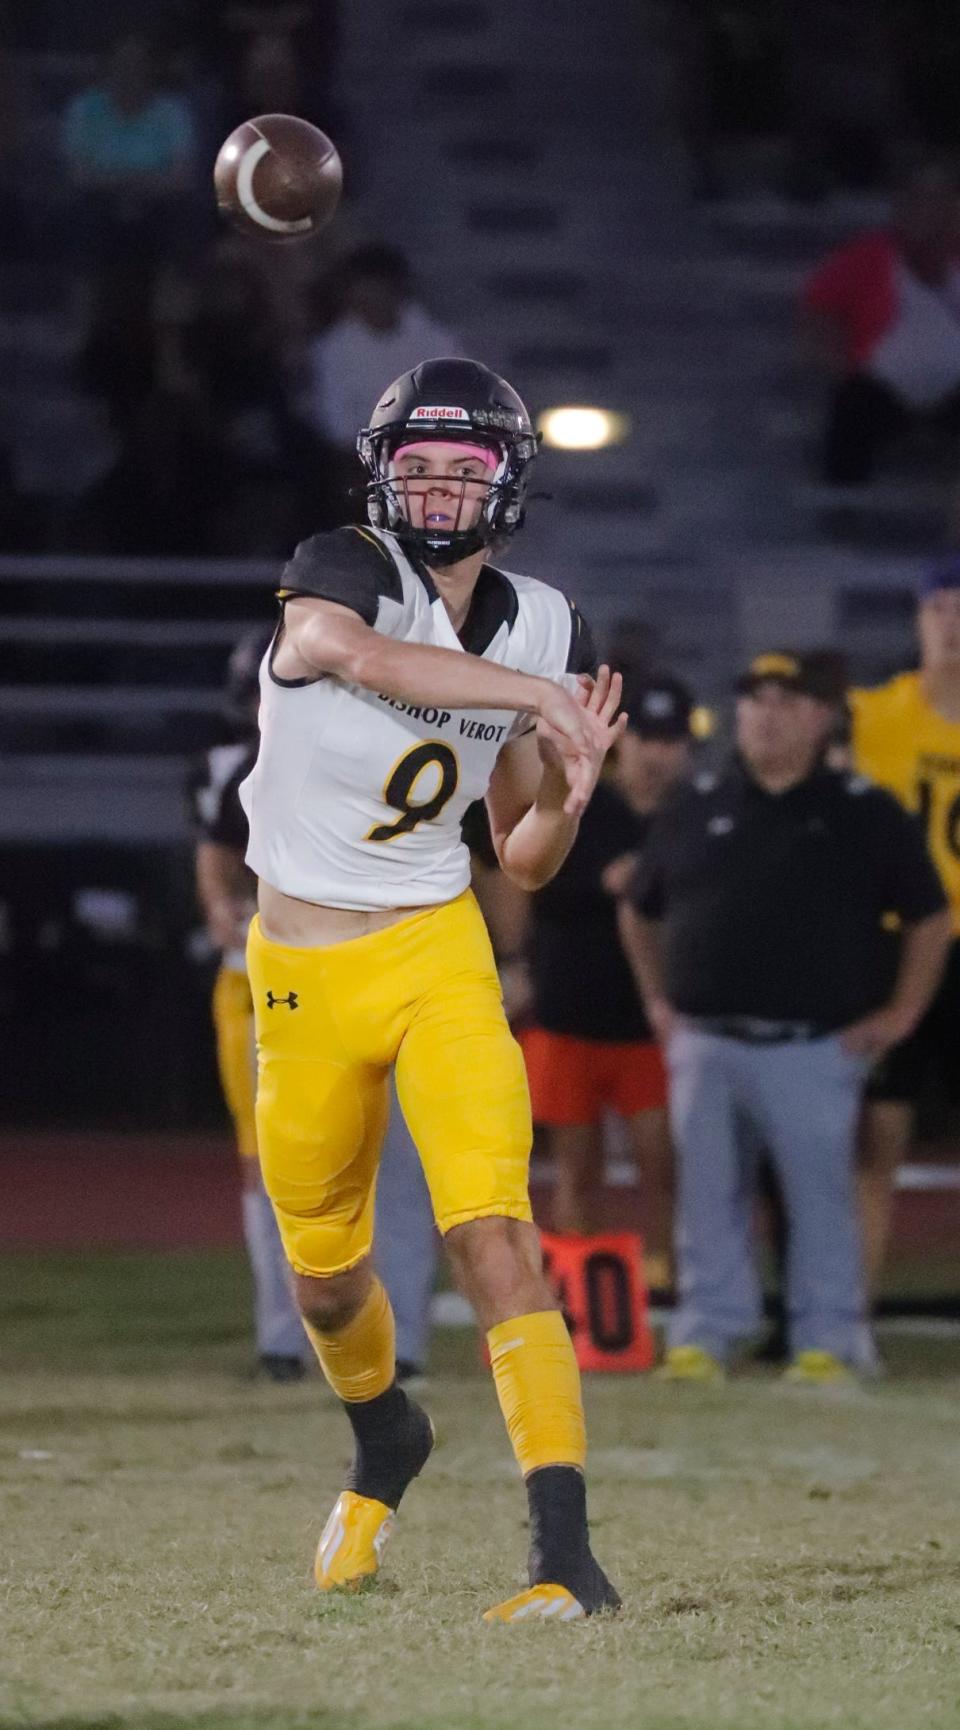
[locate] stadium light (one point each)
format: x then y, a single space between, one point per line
578 427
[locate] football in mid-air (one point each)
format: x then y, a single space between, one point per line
278 177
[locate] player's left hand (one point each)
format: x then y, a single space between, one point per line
580 769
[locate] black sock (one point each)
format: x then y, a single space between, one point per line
393 1439
559 1536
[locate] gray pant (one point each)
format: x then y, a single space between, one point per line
279 1330
406 1251
800 1101
407 1243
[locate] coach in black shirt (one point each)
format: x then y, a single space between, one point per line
758 935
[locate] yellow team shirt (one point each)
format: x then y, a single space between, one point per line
900 742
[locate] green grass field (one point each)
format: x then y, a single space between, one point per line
789 1560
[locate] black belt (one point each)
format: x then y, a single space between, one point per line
751 1030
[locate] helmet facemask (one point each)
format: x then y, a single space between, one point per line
389 496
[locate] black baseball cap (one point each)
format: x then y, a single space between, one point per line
945 575
817 673
658 708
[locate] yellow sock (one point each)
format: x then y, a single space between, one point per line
538 1386
359 1361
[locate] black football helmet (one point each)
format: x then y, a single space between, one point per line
450 399
243 672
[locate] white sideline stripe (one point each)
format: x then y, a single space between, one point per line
449 1310
622 1174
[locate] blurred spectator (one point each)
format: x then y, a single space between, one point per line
129 149
381 331
906 736
270 80
883 314
270 56
227 894
13 216
234 363
119 363
21 520
842 101
266 470
729 79
591 1050
156 497
928 56
761 894
225 28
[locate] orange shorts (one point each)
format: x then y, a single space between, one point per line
574 1080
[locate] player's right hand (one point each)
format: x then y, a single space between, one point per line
581 728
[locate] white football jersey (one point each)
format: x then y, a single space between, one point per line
356 800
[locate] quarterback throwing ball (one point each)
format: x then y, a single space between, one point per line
408 677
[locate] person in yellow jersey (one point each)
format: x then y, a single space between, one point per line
906 737
410 676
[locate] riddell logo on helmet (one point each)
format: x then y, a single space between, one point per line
449 413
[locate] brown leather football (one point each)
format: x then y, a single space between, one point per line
278 177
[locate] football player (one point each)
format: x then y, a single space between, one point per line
408 677
225 890
906 736
406 1249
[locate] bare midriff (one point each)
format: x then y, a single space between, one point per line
307 925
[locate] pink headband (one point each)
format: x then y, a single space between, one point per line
484 454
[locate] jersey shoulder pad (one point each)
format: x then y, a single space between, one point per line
555 637
351 566
582 653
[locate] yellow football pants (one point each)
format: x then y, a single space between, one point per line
423 994
236 1055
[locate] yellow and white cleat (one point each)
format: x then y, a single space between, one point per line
351 1543
538 1604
